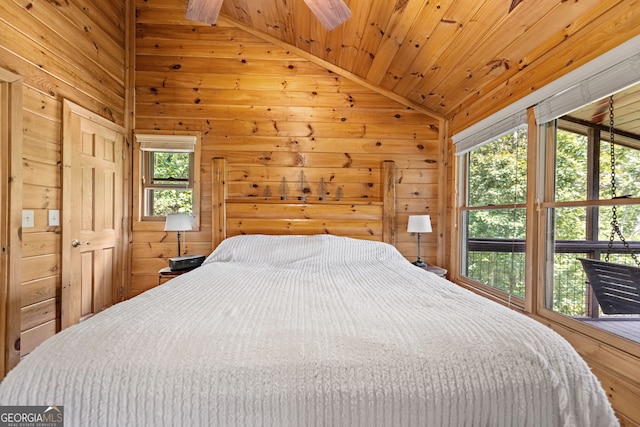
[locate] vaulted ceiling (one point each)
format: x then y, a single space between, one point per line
448 56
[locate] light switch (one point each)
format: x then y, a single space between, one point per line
54 217
27 219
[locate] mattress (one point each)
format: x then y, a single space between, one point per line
309 331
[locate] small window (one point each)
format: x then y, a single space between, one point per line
168 166
167 182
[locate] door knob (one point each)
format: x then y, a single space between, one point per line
77 243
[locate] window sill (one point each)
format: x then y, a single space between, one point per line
158 225
491 293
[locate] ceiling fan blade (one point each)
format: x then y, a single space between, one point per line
204 10
330 13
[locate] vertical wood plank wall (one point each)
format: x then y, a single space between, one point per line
73 50
258 105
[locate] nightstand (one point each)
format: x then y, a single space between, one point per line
167 274
435 270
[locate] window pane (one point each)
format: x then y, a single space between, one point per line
571 166
495 249
170 168
567 291
628 219
583 231
570 291
500 270
497 224
161 202
498 171
167 187
571 223
627 168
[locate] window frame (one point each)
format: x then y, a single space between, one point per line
158 141
539 199
148 181
549 204
606 74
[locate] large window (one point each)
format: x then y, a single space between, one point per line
494 216
582 214
579 162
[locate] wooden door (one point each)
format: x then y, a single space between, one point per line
92 214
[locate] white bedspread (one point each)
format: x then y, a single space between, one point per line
305 331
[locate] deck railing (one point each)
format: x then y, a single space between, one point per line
500 263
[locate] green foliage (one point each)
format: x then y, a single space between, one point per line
497 176
498 171
627 168
570 223
571 184
169 191
497 223
169 167
627 181
172 201
571 166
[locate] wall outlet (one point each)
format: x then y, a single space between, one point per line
54 217
27 219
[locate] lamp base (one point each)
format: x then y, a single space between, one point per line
420 263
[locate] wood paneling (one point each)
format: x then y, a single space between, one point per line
273 114
40 289
313 207
73 50
448 57
31 338
269 88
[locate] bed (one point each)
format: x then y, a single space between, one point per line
297 330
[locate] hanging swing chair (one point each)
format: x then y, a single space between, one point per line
616 286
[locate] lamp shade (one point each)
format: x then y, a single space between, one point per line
178 222
419 224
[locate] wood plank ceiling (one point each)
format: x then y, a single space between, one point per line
437 54
626 113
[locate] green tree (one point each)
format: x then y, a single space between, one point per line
171 178
498 176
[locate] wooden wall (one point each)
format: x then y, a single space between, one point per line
263 107
255 103
73 50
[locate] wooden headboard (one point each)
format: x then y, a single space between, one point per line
302 201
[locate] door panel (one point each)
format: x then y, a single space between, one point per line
86 280
93 174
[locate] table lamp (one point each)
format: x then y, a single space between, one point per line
178 222
419 224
